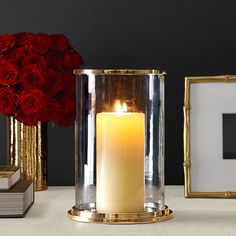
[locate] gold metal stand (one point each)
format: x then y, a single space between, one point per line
150 215
27 148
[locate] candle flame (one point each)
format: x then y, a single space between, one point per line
121 108
118 107
124 107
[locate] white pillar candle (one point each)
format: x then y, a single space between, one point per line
120 162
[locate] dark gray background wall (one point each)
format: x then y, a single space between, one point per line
184 37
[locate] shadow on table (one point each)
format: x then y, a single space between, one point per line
37 210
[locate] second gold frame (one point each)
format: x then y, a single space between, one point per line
187 142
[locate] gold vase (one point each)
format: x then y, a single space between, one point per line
27 148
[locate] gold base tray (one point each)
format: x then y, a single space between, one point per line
149 216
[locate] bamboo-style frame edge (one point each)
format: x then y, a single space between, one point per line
187 144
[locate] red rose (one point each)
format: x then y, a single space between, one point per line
59 42
69 82
44 81
53 84
32 76
72 60
8 98
15 55
8 73
54 61
7 41
66 120
36 60
52 110
27 119
23 39
66 116
39 43
32 102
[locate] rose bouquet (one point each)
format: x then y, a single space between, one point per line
36 78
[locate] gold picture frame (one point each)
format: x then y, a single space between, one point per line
187 144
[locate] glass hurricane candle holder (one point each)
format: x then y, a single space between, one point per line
119 147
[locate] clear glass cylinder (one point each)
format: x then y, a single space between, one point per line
119 140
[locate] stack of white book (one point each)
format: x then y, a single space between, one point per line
16 195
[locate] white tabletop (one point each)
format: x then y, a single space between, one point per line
48 216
